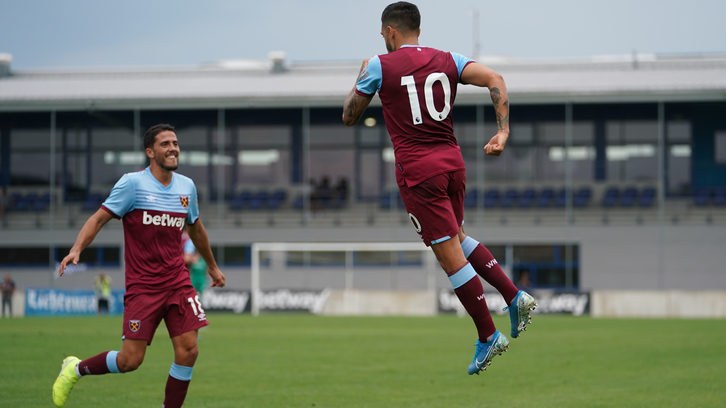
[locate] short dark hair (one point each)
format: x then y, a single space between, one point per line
150 135
403 16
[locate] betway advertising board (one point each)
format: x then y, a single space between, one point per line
279 300
574 303
62 302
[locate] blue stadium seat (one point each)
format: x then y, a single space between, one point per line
386 202
277 199
298 203
719 196
20 202
582 197
561 198
240 201
545 198
629 196
491 198
527 198
259 200
42 203
471 198
647 197
701 197
15 199
30 200
235 203
510 198
92 202
610 199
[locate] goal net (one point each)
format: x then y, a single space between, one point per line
400 266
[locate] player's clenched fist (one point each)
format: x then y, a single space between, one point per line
495 147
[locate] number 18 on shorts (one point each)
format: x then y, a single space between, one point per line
180 309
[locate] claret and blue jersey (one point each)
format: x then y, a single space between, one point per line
370 80
153 217
417 86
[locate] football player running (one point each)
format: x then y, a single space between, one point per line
154 205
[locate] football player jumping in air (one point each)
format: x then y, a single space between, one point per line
417 87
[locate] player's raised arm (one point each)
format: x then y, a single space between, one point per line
198 235
480 75
85 237
355 104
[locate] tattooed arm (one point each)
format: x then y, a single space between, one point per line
355 104
479 75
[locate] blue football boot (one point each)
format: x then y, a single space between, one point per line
485 352
519 310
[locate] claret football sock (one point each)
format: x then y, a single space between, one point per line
469 290
177 385
488 268
103 363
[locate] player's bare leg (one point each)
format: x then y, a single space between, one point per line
185 355
469 290
131 355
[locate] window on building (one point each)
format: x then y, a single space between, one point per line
632 150
720 147
679 157
40 256
548 266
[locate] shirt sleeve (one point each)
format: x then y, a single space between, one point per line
193 210
370 78
461 62
122 197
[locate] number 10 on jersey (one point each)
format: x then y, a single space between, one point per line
436 115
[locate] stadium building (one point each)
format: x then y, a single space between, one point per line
613 179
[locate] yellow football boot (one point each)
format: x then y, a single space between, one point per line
65 381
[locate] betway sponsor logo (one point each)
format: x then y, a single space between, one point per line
275 300
549 302
575 303
165 220
284 299
235 301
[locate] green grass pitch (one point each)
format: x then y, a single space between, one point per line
296 360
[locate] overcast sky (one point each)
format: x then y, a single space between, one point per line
92 33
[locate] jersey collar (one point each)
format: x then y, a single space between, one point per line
148 172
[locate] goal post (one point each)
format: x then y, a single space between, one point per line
349 248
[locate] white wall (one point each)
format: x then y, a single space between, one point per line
612 257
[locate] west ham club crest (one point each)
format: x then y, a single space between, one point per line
184 201
134 325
